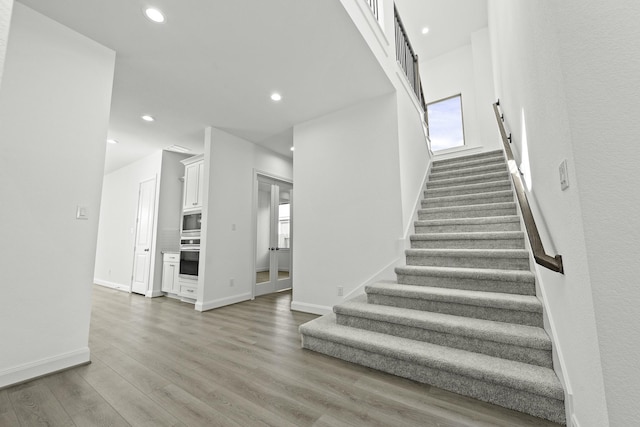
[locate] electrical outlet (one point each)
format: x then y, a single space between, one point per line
232 282
564 175
340 291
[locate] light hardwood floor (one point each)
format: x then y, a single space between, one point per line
158 362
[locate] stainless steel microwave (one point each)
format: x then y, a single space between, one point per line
191 223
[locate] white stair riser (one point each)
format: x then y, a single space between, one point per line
519 317
519 400
467 213
470 189
469 244
469 262
529 355
467 200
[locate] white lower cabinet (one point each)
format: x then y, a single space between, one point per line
188 288
170 270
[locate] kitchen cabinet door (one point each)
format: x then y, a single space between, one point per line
193 185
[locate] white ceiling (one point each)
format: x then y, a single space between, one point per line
450 24
215 63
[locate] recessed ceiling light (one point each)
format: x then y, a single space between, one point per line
276 96
292 148
154 14
148 118
425 30
112 141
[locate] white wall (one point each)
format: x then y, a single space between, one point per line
348 211
414 159
228 197
6 6
345 155
54 114
488 132
467 71
118 213
601 69
567 77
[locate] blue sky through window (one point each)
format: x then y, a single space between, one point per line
445 123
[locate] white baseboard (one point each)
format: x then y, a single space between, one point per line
153 294
112 285
310 308
32 370
574 421
210 305
388 272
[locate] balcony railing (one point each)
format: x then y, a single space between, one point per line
407 58
373 4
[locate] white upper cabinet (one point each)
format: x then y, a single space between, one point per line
193 183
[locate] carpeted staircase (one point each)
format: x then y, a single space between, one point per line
463 314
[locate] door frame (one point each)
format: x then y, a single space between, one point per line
254 225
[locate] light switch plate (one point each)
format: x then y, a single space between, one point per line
82 212
564 175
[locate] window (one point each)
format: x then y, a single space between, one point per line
446 128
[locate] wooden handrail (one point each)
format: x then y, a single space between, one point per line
553 263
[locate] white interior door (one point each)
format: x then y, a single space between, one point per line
273 236
144 237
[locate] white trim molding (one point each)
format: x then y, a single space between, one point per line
39 368
311 308
221 302
112 285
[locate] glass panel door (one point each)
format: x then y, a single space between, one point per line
273 236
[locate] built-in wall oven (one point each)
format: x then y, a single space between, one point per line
189 257
191 224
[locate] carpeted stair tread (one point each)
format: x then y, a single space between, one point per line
452 182
469 240
505 259
471 253
528 303
469 199
473 171
454 225
475 235
463 159
481 187
469 164
516 375
469 273
465 208
500 332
